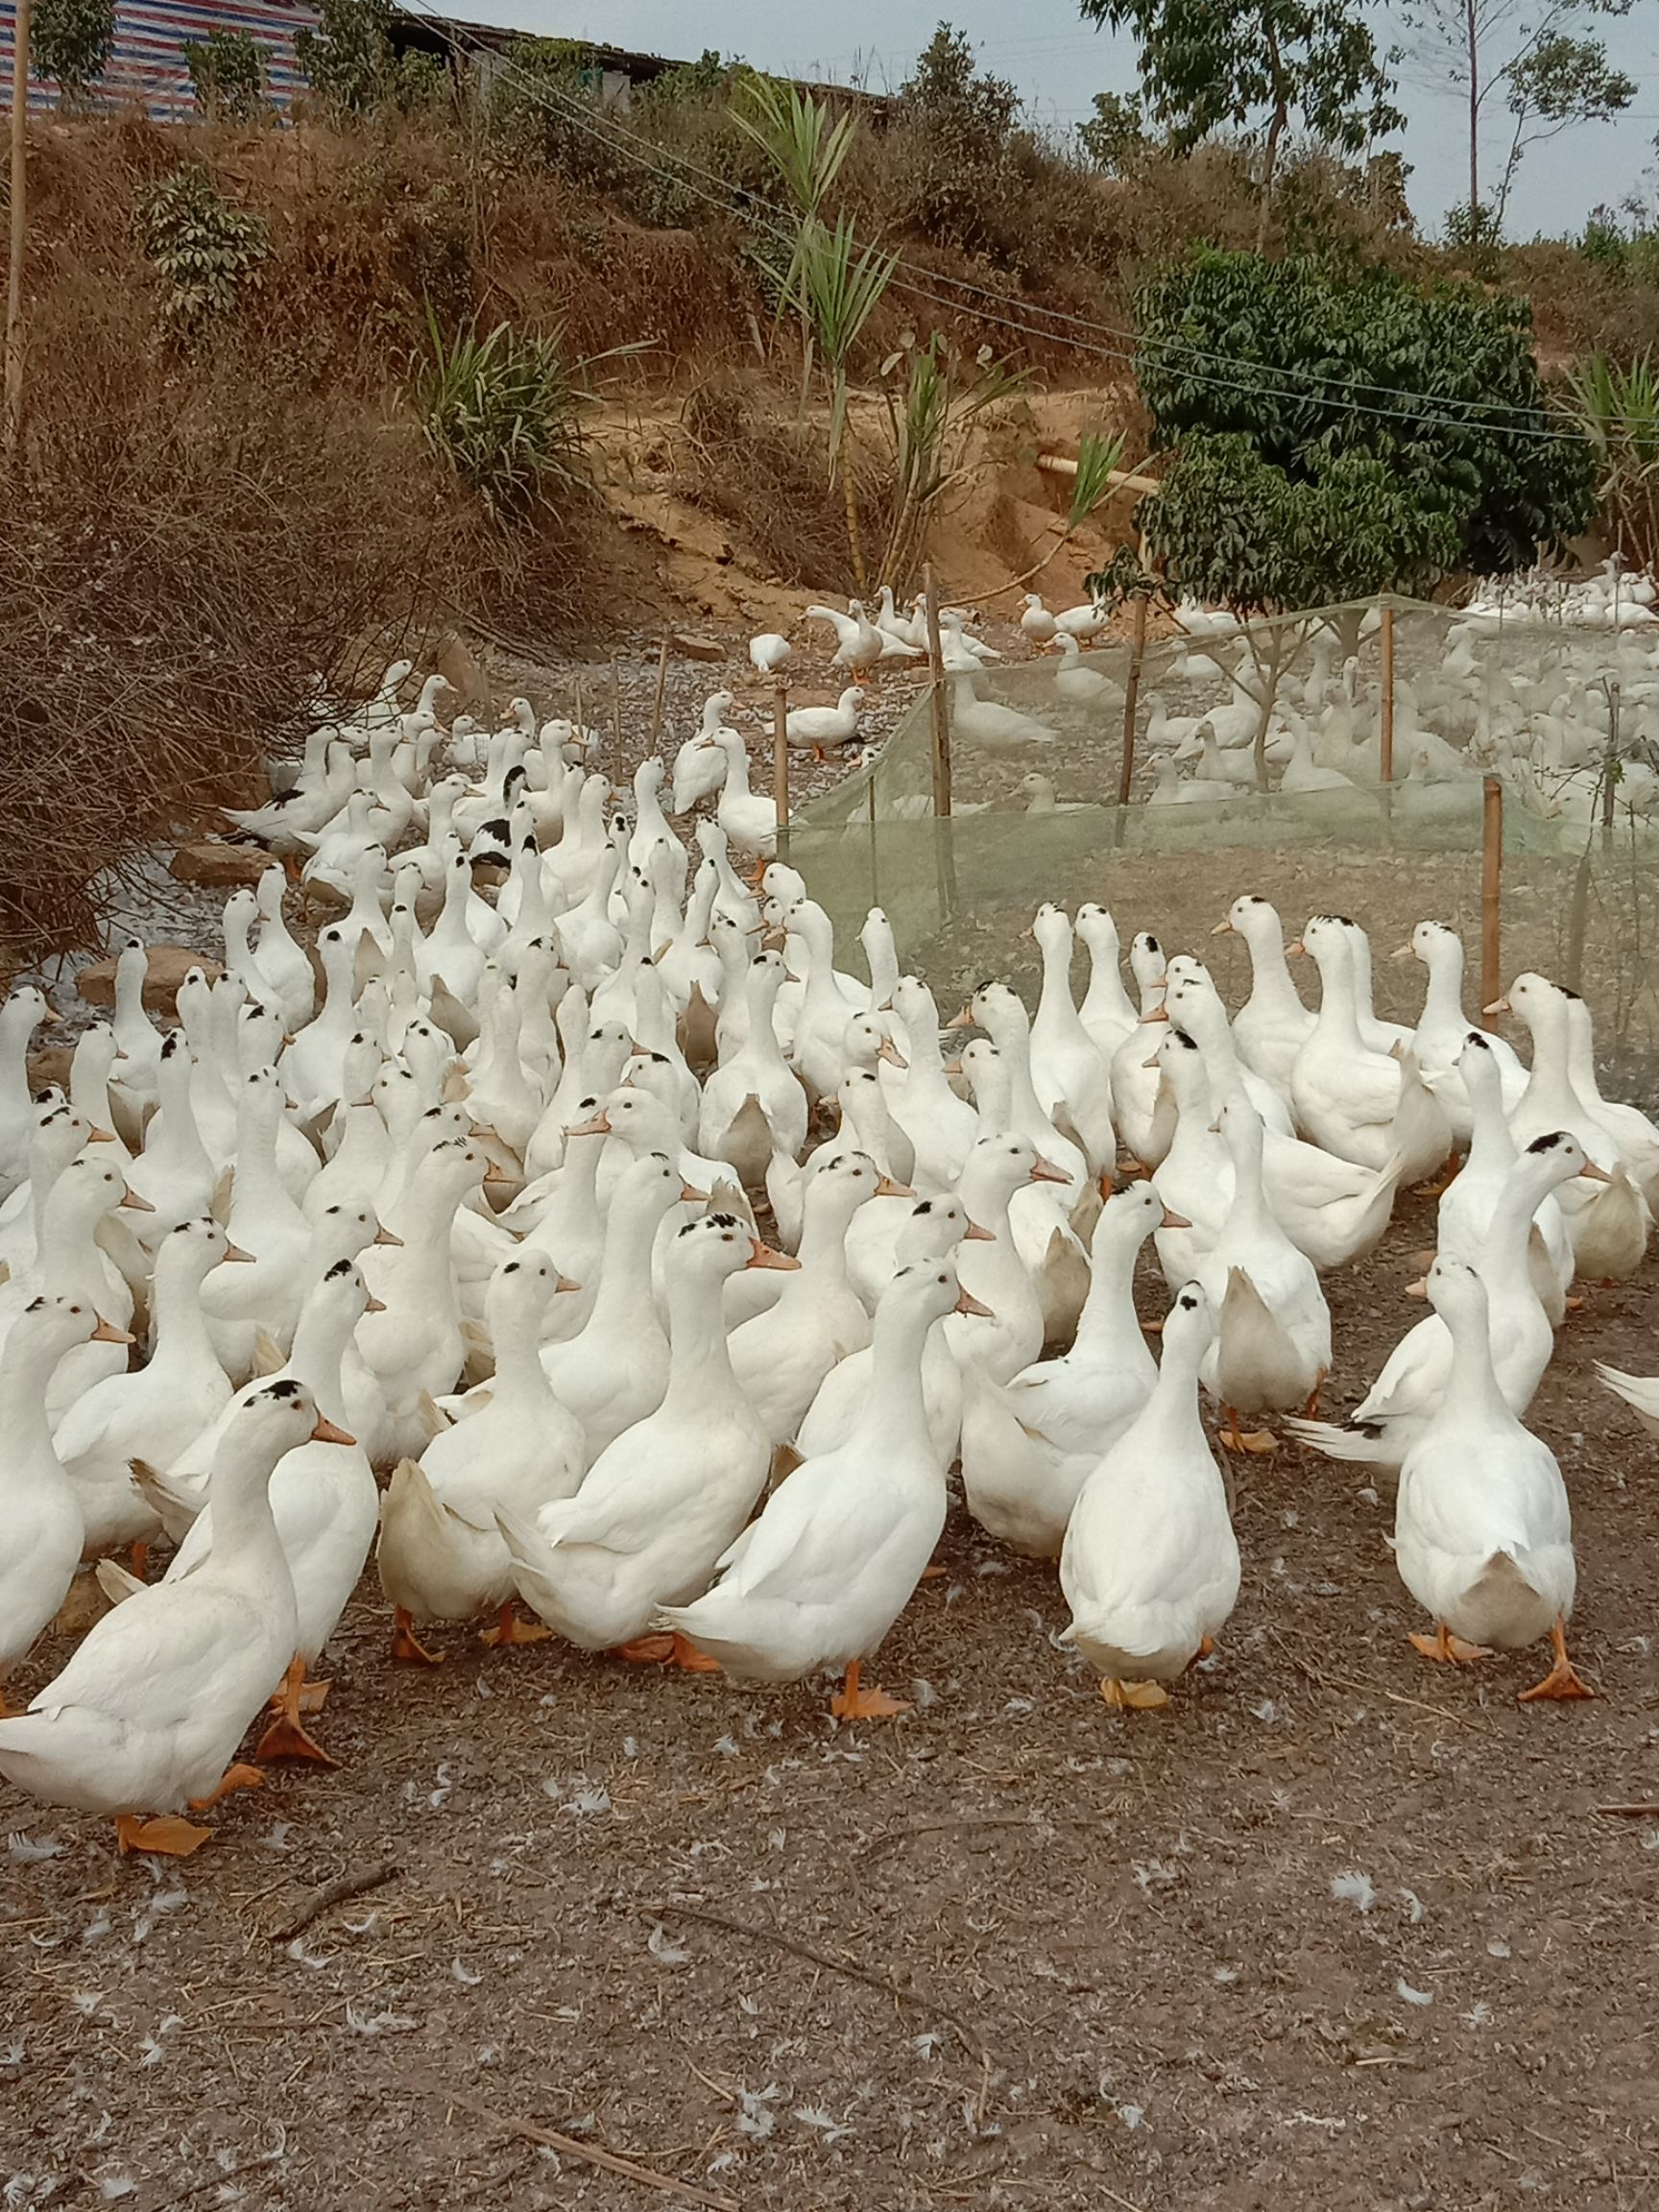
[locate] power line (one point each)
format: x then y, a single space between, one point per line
1410 407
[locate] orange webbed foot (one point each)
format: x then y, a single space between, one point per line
853 1702
1452 1650
510 1630
406 1646
1563 1680
240 1776
688 1659
1133 1697
288 1738
645 1650
169 1838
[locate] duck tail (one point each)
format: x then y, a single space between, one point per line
1357 1441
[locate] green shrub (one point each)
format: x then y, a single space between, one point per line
209 251
504 411
69 45
347 56
227 75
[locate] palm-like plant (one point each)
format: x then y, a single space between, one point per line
927 418
1618 409
504 411
838 287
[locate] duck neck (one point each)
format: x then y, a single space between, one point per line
893 1427
625 1303
1271 986
1443 1000
318 1357
257 1189
1490 1143
699 1363
246 1545
1109 1321
17 1028
1504 1252
521 1378
24 1379
182 1342
1471 1394
1338 1005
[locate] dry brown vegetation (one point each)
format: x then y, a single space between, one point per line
201 521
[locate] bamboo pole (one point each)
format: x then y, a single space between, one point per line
780 766
20 231
1132 700
615 714
1385 742
938 703
660 698
1492 893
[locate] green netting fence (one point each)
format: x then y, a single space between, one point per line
1565 716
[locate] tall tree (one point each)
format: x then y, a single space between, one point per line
1255 65
1535 58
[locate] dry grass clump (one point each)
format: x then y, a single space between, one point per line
766 477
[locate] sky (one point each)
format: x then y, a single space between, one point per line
1058 62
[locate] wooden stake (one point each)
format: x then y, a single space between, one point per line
1132 700
938 702
660 698
616 714
781 765
1492 893
1385 741
20 231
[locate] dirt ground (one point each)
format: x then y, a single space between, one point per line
1014 1949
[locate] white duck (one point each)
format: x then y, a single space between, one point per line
1069 1074
615 1371
660 1507
752 1105
1468 1202
326 1506
441 1555
1442 1027
1386 1423
148 1714
1108 1012
748 818
1482 1530
158 1410
45 1533
1273 1347
780 1357
1029 1446
1272 1026
831 1562
1150 1564
989 726
413 1345
826 728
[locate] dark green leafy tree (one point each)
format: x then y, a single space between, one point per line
1338 433
960 123
69 45
347 56
1257 66
1114 138
227 75
1537 57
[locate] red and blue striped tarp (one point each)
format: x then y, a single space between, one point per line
146 63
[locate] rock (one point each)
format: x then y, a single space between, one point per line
451 659
50 1066
217 865
169 965
694 648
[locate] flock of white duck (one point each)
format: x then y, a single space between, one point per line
468 1207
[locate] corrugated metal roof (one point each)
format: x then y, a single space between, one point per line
146 63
